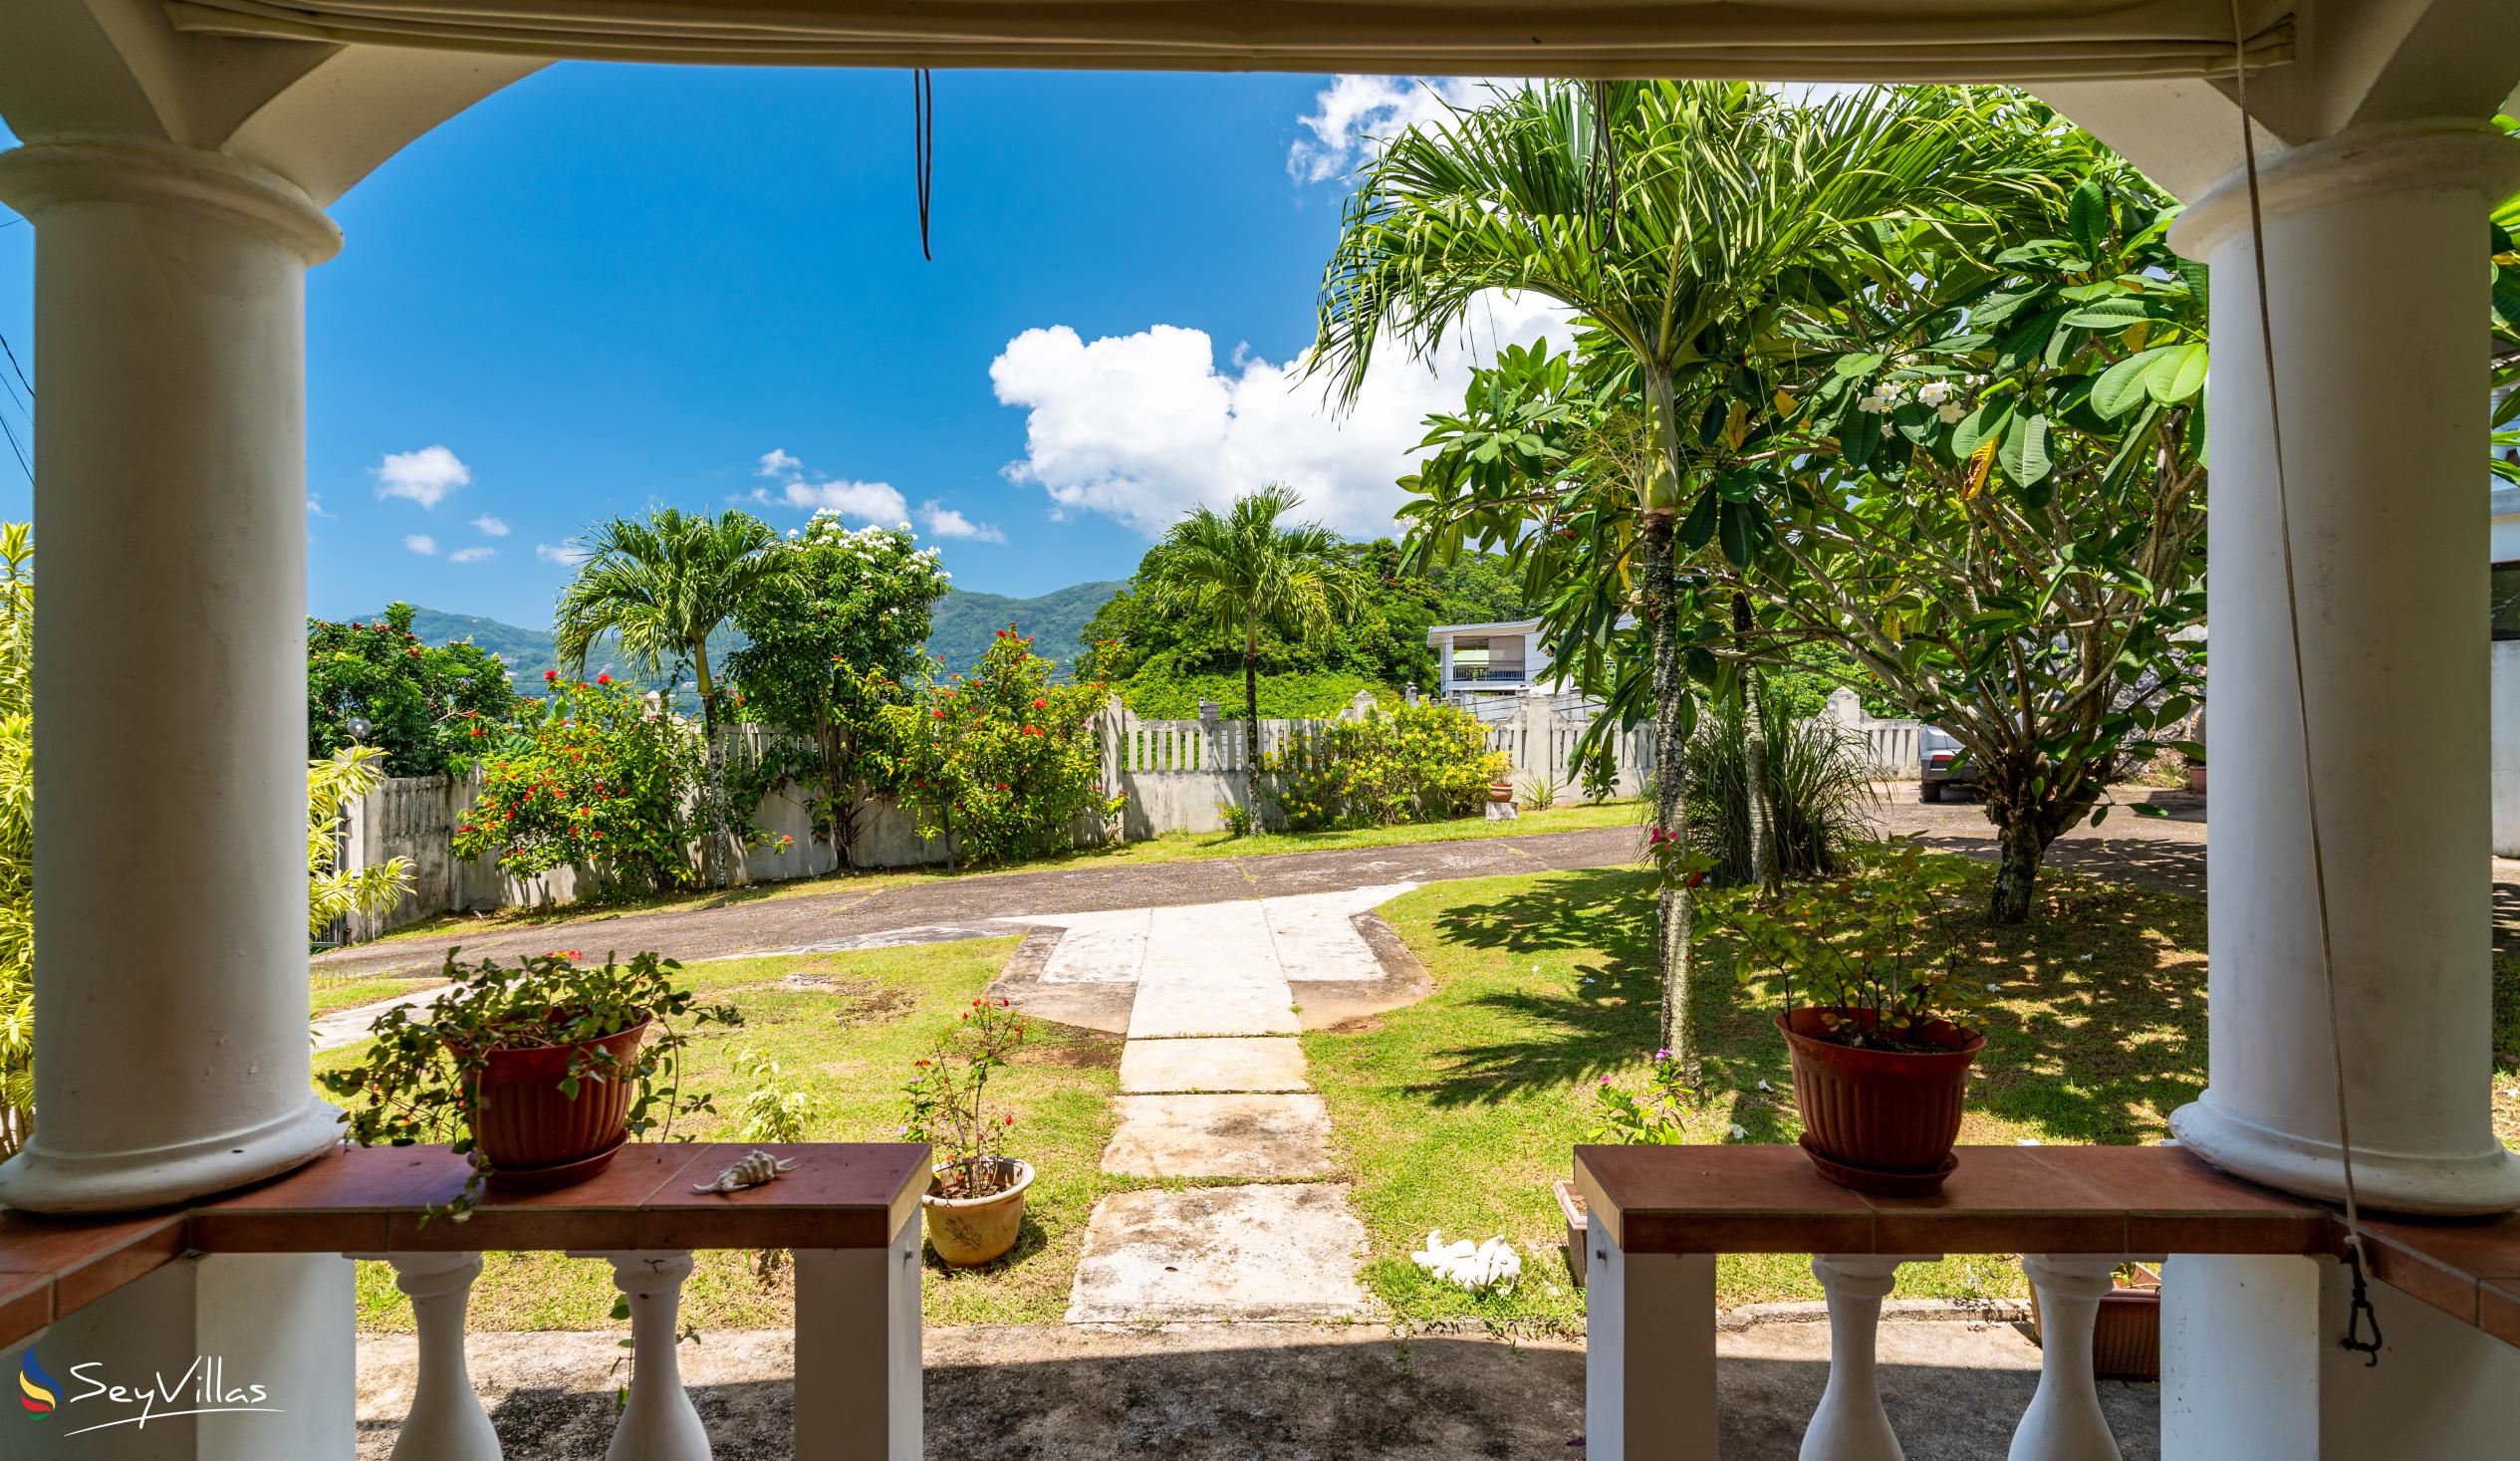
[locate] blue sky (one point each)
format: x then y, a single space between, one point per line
607 288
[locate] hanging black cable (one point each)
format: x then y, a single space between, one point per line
17 451
924 149
20 371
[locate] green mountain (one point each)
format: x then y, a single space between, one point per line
965 621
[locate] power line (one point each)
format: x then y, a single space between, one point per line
14 365
17 451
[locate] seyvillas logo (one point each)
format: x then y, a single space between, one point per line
37 1391
94 1401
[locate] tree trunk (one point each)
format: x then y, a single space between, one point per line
2017 875
1251 723
712 793
839 807
1670 750
1764 871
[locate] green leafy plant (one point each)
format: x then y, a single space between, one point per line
829 642
413 1084
1819 785
946 1103
1597 769
1875 952
428 706
776 1108
335 893
1656 1115
1001 763
1420 763
1542 794
594 775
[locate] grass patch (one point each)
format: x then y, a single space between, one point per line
847 1025
1456 1112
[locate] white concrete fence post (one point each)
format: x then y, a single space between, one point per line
660 1423
2063 1421
446 1421
1850 1424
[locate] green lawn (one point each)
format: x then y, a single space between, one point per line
848 1025
1456 1112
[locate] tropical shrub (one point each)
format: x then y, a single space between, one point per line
1419 763
17 835
829 640
998 764
1819 783
420 700
596 776
1161 693
1876 951
334 894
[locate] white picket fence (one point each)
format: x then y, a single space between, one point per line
1892 746
1177 776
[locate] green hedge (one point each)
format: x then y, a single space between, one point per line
1281 696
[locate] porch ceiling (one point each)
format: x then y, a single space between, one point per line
1814 40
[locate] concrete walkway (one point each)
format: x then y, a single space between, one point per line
1213 1085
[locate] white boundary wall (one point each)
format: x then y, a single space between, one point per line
1177 774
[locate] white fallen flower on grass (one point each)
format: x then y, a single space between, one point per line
1480 1267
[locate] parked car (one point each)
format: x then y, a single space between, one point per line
1936 752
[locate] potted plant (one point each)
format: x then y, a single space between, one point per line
538 1073
1501 790
1874 1009
975 1201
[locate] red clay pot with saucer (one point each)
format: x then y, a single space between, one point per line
533 1136
1879 1120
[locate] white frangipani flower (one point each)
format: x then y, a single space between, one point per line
1480 1267
1951 413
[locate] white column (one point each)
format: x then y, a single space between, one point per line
446 1421
2377 275
1649 1353
2064 1422
859 1393
1850 1424
658 1423
170 512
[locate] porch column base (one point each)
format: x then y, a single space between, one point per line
2425 1183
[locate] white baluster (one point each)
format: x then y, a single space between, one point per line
660 1423
446 1421
1850 1424
2064 1422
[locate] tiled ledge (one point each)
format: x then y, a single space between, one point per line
372 1201
2135 1200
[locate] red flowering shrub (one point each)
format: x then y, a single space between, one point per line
1002 763
593 776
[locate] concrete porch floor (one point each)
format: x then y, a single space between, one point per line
1256 1392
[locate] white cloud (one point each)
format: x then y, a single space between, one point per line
777 463
567 555
1141 427
424 476
942 521
420 543
867 502
315 507
1355 114
471 555
491 526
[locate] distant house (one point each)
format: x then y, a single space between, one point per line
1487 659
2503 704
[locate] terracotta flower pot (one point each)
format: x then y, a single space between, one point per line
1578 1227
531 1136
1500 791
969 1231
2126 1334
1879 1120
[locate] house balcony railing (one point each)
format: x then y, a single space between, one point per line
1659 1216
849 1214
1485 674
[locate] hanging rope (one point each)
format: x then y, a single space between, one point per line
923 150
2361 1314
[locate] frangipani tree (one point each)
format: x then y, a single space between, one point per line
1680 220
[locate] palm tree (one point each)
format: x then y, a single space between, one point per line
661 587
1680 220
1239 572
